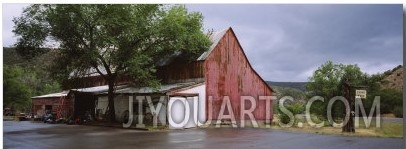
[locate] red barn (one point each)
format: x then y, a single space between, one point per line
225 71
222 72
229 73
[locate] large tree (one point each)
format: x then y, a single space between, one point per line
113 40
327 81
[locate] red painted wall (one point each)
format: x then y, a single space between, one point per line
228 73
38 105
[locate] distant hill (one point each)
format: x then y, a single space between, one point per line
393 79
10 57
296 85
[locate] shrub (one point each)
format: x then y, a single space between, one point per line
389 100
284 118
398 111
295 108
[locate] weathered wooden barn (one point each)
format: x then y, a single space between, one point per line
229 73
222 70
226 71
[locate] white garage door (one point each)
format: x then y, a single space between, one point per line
177 112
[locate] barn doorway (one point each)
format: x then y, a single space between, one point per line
178 108
84 104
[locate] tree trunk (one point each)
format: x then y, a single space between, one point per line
349 126
111 111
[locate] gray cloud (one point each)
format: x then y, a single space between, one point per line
288 42
9 12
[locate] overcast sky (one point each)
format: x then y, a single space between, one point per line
288 42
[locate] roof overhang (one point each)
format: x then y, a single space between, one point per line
126 89
52 95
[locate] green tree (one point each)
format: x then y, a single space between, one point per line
374 82
15 94
326 82
113 40
34 73
389 100
287 91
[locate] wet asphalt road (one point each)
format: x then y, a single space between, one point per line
38 135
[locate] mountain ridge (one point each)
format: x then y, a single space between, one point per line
296 85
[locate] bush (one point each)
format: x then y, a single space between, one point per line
398 111
389 99
316 119
295 108
284 118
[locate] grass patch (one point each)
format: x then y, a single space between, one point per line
390 129
9 118
157 128
386 129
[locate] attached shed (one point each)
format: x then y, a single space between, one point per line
95 101
85 99
52 103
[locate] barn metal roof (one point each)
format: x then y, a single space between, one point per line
97 89
89 73
125 89
162 89
60 94
215 38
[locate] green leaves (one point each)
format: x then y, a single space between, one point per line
123 40
390 99
32 30
326 80
16 93
185 30
111 36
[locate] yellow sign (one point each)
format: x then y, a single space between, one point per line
361 94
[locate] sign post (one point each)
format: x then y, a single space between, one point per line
348 94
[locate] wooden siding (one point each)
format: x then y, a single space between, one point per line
181 71
91 81
228 73
38 105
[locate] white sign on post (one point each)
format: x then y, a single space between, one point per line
361 94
